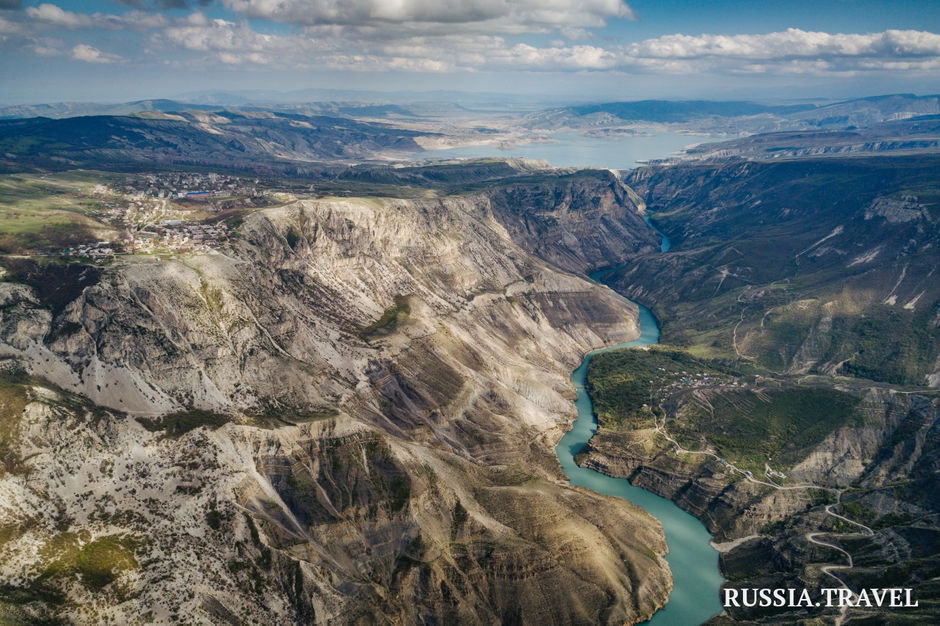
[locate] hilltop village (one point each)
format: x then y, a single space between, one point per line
169 213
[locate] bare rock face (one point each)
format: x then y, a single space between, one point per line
580 226
348 416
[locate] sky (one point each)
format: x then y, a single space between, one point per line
577 50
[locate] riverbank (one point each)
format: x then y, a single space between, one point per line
692 559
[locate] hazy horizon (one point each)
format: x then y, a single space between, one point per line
249 97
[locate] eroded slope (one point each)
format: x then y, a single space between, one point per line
390 378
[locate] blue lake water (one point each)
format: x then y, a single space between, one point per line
573 150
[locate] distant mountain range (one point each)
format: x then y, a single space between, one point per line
261 142
744 115
738 116
319 136
684 110
310 101
73 109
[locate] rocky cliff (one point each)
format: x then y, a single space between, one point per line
346 416
867 486
591 222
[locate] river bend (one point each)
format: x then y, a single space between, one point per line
692 559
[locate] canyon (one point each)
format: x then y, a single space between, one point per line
347 414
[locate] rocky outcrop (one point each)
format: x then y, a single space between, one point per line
897 210
728 506
347 416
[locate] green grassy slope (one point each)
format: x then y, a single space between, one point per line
822 266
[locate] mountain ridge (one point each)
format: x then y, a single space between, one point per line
260 444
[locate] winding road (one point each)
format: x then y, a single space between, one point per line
812 536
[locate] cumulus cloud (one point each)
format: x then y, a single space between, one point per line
90 54
237 43
791 43
475 35
790 51
372 48
518 16
368 47
54 16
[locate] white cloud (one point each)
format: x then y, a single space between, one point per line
478 35
791 43
90 54
558 58
790 51
576 34
46 46
6 26
219 35
367 47
516 16
46 51
54 16
234 44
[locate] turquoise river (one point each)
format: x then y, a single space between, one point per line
692 559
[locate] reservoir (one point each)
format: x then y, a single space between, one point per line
574 150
